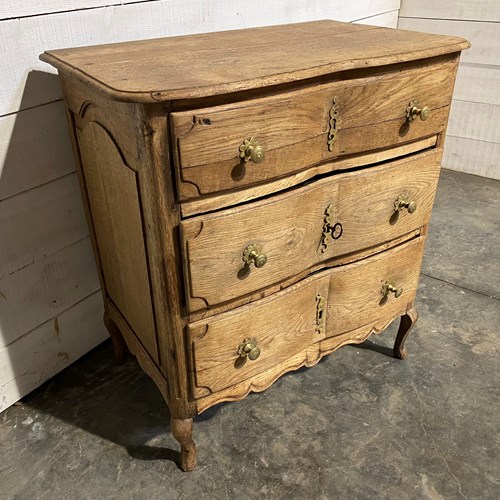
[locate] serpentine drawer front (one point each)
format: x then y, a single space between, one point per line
252 205
284 133
297 231
330 303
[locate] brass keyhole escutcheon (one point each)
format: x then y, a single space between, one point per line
251 150
388 288
401 202
248 349
253 254
412 111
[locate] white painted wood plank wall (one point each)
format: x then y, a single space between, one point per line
50 306
473 138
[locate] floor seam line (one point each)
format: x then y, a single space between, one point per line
460 286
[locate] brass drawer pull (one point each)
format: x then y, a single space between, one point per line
253 253
388 288
248 349
250 150
400 203
412 111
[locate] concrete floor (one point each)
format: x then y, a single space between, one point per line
360 424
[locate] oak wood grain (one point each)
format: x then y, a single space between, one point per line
115 206
352 298
236 58
340 260
235 197
289 227
170 216
308 357
293 127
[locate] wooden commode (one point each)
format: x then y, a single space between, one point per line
256 198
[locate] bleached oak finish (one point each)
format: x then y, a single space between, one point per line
293 127
343 248
24 81
116 214
289 227
34 147
354 46
351 294
308 357
229 198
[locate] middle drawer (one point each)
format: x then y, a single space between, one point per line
238 251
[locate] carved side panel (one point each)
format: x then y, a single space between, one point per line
116 215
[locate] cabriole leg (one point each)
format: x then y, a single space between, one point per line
182 430
407 323
119 345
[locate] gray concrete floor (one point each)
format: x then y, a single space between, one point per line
360 424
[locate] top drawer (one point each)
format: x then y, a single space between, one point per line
300 128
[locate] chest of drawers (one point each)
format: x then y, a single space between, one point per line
256 198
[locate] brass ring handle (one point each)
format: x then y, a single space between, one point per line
248 349
253 254
412 111
250 150
400 203
388 288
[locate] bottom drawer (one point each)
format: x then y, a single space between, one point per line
234 346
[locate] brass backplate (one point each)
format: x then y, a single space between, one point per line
331 231
333 124
320 314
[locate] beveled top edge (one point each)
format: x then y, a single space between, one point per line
167 69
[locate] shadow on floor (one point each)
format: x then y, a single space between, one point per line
120 403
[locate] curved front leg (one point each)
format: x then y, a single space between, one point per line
407 323
119 345
182 430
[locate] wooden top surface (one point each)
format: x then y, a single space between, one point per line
193 66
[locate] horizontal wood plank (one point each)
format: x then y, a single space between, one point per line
387 19
37 356
484 37
41 291
24 8
34 148
472 156
466 10
39 222
473 120
25 81
478 83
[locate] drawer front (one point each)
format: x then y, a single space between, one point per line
298 129
276 328
304 228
